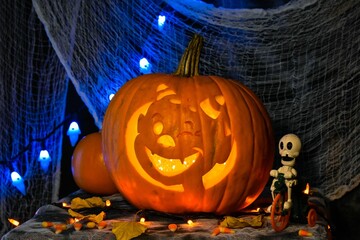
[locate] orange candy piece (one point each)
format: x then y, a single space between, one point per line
304 233
221 230
77 226
172 227
46 224
102 225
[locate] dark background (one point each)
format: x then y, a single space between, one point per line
75 111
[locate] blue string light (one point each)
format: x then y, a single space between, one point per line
44 159
73 133
18 182
44 156
161 21
145 66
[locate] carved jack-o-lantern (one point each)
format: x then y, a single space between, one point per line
188 143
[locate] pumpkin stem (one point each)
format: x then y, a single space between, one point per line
189 63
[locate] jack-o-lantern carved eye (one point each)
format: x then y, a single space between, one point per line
164 140
208 107
158 128
163 91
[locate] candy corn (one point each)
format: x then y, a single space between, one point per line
221 230
47 224
60 227
304 233
172 227
77 226
102 225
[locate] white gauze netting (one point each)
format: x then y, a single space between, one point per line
33 87
301 59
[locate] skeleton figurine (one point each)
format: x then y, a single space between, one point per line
289 148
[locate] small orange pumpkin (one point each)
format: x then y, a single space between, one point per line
88 167
186 143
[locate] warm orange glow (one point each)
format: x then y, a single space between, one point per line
208 109
190 222
66 205
172 167
158 128
255 210
307 189
166 141
142 220
220 99
14 222
108 203
130 138
165 93
220 171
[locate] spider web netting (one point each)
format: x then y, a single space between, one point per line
32 100
301 59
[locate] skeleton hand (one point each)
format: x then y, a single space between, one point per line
274 173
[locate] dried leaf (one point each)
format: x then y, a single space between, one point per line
75 214
233 222
92 217
78 203
96 218
127 230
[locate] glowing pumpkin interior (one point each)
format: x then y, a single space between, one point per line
187 144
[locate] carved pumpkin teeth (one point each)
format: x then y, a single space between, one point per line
172 167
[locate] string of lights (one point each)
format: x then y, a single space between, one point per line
44 158
73 132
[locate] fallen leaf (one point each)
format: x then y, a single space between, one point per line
127 230
78 203
233 222
92 217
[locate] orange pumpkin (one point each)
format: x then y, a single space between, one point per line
88 167
186 143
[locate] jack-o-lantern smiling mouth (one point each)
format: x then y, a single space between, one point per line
172 167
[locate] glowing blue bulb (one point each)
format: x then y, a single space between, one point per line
73 128
15 177
44 159
111 96
161 21
44 155
18 182
73 133
145 66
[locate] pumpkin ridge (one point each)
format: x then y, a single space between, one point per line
227 87
208 197
261 115
264 113
248 100
225 181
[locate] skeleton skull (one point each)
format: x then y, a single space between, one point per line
289 149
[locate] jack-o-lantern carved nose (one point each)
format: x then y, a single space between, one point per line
164 140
